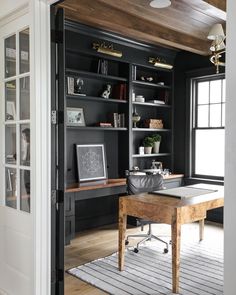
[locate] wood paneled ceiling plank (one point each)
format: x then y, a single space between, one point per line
220 4
173 20
104 16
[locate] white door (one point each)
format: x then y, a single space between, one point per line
16 216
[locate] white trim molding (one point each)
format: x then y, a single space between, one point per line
14 14
41 124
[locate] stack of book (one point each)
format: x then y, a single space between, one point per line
117 120
119 91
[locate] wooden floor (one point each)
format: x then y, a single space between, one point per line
101 242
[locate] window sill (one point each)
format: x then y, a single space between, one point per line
195 180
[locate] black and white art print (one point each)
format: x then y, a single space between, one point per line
91 162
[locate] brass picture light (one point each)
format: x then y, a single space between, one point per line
158 62
106 49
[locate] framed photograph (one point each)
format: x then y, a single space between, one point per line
75 117
91 162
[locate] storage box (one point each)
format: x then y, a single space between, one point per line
153 123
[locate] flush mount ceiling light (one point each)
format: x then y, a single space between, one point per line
217 47
160 3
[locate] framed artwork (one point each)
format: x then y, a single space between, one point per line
91 162
75 117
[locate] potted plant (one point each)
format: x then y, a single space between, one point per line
156 143
148 144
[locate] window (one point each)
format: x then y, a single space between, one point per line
208 132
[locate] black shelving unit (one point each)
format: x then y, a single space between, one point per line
121 143
145 82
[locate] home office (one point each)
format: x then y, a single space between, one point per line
127 92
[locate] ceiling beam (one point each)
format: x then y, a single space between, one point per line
124 23
220 4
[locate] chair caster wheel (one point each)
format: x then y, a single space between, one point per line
126 242
166 250
135 250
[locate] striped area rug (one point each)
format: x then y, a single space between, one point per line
149 271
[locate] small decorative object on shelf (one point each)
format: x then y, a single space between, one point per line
156 165
78 86
148 143
75 117
156 143
106 93
106 49
156 101
103 124
159 62
135 118
153 123
139 98
141 150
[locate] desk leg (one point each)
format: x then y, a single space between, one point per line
122 232
175 239
201 229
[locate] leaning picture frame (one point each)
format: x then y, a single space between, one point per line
91 162
75 117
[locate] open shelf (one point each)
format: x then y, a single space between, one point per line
150 155
97 128
141 83
151 130
95 98
95 75
149 104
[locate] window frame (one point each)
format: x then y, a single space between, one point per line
193 116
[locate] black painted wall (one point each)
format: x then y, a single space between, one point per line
184 62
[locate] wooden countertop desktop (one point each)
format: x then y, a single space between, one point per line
76 187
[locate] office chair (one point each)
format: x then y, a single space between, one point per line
137 184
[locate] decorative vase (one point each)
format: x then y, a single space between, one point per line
156 147
147 149
135 118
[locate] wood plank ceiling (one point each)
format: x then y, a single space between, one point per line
183 25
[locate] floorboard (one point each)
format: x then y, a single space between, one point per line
100 242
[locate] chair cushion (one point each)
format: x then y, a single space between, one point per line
137 184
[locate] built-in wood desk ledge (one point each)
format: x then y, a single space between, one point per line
77 187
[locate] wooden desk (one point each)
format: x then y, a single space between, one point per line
85 193
169 210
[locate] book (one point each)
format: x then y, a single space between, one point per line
103 124
119 91
113 118
157 101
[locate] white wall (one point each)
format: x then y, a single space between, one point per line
230 160
8 6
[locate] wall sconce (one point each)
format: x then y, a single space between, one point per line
158 62
106 49
217 47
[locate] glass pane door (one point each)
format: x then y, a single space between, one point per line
17 121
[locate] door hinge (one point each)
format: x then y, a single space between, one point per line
57 196
57 117
54 117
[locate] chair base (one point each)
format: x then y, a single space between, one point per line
147 237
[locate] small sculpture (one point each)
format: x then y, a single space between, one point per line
79 83
106 93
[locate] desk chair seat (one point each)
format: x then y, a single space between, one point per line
137 184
